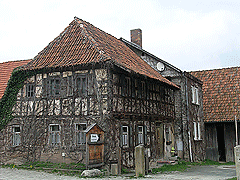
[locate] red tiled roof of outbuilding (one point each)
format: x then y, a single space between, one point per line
82 43
221 93
6 69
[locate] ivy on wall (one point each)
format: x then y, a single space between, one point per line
15 83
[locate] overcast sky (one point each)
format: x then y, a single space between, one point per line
191 35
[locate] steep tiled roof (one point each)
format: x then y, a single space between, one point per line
221 93
6 69
82 43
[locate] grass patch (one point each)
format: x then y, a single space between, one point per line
181 166
235 178
59 168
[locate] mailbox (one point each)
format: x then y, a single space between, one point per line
94 146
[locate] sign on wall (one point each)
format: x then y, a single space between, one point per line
94 137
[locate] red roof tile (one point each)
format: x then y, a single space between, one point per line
83 43
221 93
6 69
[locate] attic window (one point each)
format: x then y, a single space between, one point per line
195 95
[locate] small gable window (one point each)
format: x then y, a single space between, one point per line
195 95
29 90
54 134
80 133
16 135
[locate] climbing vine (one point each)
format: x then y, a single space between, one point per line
15 83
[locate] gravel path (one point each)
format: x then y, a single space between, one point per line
194 173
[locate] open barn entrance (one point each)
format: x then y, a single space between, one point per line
221 142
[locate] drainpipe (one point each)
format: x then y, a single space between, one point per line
189 135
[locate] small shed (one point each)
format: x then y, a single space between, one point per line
94 146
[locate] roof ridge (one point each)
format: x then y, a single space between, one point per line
216 69
90 38
15 61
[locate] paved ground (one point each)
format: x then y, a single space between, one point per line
194 173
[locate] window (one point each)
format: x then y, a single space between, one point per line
140 135
54 135
143 89
53 87
30 90
16 136
80 134
197 130
125 136
81 84
195 99
128 86
168 134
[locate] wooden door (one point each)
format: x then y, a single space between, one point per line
96 153
160 140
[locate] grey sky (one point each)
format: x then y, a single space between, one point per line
191 35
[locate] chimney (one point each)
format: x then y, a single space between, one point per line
136 36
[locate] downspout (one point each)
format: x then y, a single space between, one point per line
189 135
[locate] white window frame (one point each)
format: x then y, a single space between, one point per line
140 135
195 95
197 131
54 136
125 137
80 134
16 136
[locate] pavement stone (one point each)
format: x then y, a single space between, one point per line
222 172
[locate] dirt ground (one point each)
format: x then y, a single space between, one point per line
193 173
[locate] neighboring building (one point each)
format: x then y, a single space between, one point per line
221 104
87 81
6 69
188 127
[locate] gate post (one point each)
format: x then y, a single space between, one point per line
139 160
237 160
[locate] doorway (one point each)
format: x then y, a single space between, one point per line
221 142
160 139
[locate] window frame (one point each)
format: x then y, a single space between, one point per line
195 95
125 136
197 131
140 135
55 134
30 90
16 135
80 133
79 88
53 87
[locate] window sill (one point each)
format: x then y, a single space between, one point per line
196 104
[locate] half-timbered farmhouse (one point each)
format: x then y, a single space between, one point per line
221 105
87 97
